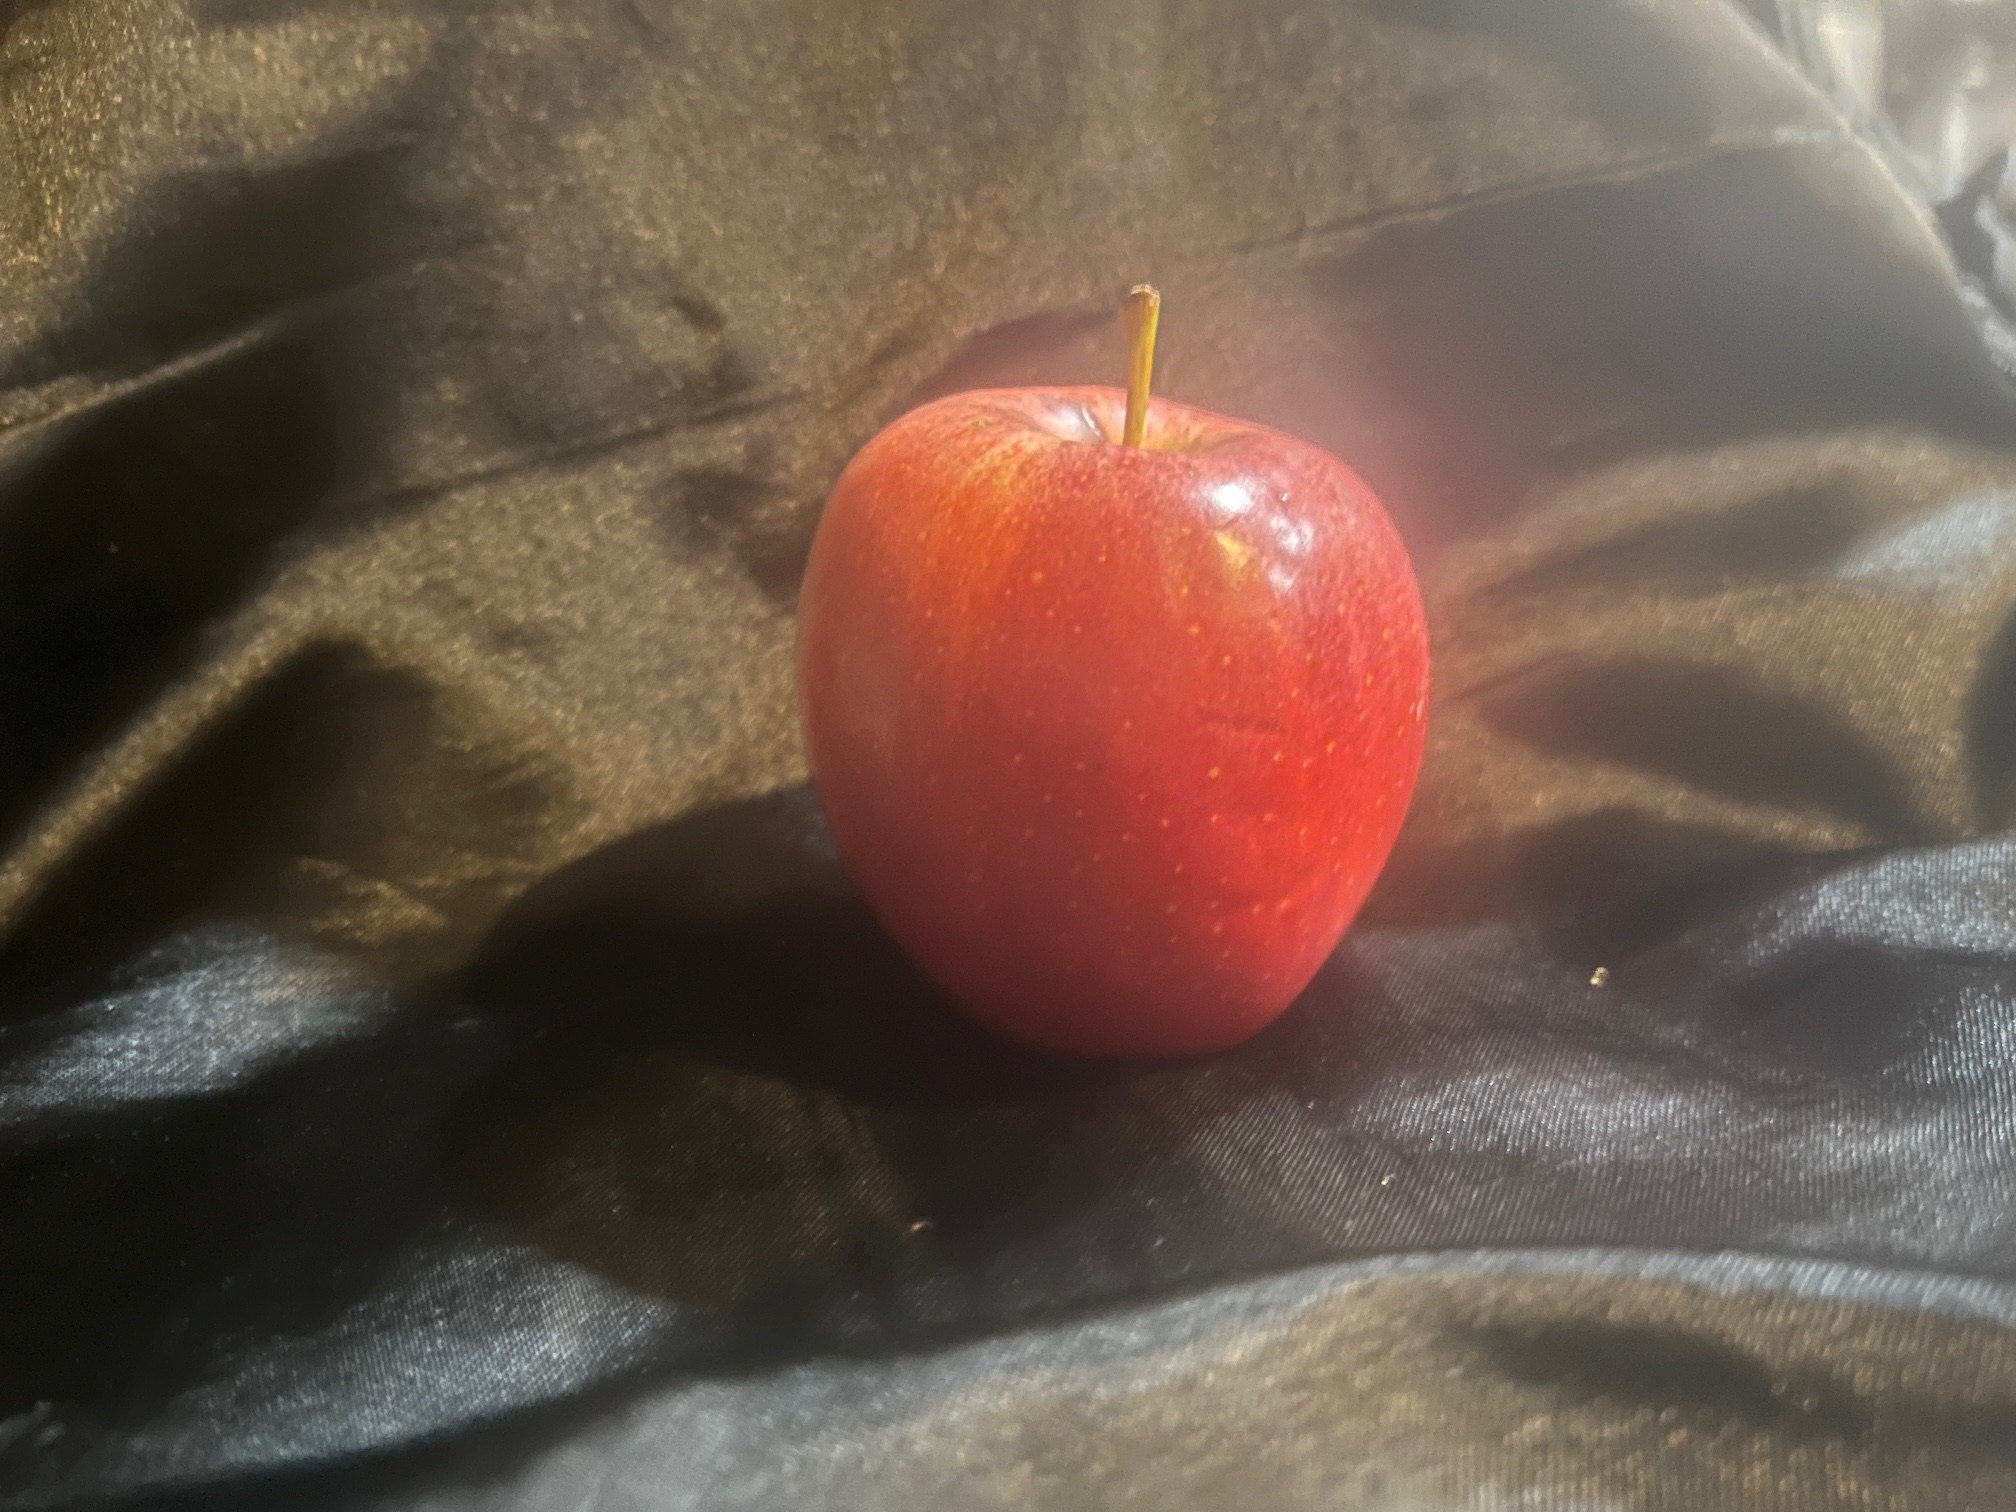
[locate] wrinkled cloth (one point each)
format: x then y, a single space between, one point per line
442 1062
1931 85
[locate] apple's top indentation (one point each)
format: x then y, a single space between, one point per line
1074 420
1096 417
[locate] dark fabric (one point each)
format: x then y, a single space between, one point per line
442 1064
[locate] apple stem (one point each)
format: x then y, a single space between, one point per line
1139 317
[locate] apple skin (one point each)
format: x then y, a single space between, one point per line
1114 739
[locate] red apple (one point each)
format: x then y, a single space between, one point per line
1115 738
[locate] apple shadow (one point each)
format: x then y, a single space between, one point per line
725 1085
734 936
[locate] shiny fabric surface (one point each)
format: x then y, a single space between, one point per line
442 1064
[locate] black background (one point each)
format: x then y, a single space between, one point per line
442 1064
